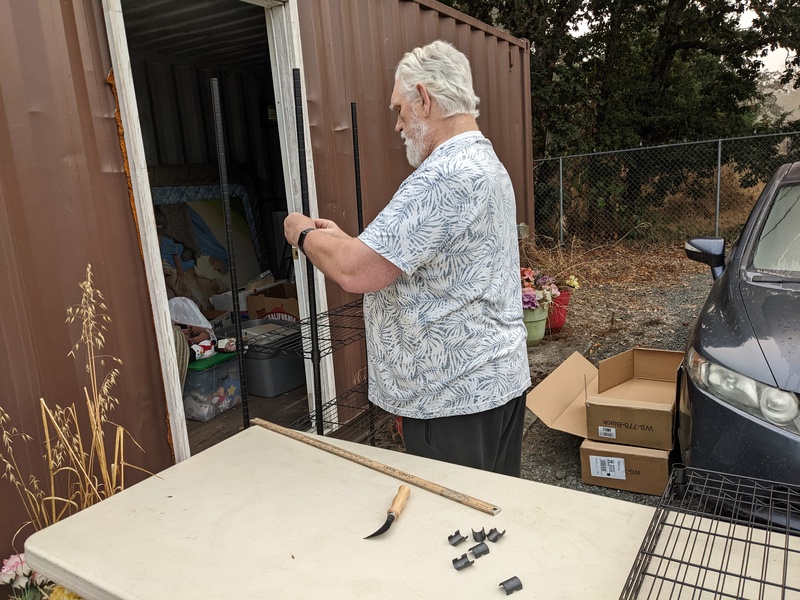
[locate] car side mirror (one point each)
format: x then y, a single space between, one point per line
709 251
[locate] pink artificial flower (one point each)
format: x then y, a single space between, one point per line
527 275
15 571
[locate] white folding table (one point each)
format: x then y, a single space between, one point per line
261 515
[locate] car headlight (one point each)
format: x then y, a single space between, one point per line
765 402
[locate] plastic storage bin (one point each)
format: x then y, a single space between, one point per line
270 373
212 386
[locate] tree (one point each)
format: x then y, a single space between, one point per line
610 74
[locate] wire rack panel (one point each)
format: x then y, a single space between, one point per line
350 417
718 536
337 328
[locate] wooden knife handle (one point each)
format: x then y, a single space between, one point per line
399 502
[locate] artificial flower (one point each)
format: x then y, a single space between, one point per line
537 290
15 571
59 593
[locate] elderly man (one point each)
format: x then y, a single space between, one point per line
439 269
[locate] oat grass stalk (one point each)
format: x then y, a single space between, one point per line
79 470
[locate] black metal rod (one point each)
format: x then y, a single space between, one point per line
226 205
357 162
360 213
312 293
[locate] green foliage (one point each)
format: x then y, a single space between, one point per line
616 74
610 74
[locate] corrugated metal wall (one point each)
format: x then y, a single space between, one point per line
350 50
64 203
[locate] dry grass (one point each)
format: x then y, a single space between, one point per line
622 263
80 471
556 260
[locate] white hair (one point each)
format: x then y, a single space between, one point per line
445 73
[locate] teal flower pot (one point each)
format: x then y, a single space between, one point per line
535 321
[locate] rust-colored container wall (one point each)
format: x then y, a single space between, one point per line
64 204
350 51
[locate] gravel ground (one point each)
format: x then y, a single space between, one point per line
605 317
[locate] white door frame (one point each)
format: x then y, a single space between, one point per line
286 54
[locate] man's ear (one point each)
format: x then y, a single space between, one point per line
426 100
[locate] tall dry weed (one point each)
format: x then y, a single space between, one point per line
548 257
80 471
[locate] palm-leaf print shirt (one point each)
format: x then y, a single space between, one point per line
446 337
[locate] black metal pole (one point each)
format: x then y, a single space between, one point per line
312 293
226 205
360 213
357 162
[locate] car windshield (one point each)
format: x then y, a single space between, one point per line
777 249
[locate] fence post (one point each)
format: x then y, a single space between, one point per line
719 184
560 200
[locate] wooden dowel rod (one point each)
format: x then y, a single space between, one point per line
381 468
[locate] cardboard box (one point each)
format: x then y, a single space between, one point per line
629 399
643 470
219 319
635 401
276 302
225 301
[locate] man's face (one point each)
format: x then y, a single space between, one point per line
411 126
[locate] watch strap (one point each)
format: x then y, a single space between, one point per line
301 239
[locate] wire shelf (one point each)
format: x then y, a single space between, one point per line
715 535
337 328
350 417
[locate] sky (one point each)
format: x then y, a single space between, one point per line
774 60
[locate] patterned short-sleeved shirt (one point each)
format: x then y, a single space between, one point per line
446 337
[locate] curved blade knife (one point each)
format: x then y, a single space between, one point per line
394 511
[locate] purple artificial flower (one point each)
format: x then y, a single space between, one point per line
529 299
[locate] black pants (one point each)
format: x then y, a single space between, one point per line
489 440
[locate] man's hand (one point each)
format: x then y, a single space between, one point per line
294 224
345 259
330 228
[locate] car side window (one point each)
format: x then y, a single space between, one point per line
778 245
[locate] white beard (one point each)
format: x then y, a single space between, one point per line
415 139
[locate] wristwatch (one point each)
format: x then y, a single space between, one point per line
301 239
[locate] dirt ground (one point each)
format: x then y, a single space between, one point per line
645 296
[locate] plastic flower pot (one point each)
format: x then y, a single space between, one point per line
535 320
558 312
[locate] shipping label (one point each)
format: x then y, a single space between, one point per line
607 467
607 432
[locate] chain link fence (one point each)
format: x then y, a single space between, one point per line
661 194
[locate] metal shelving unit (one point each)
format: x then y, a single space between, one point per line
349 416
715 535
336 329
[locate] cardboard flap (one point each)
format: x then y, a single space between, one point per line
657 365
656 406
560 399
638 363
613 371
638 393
